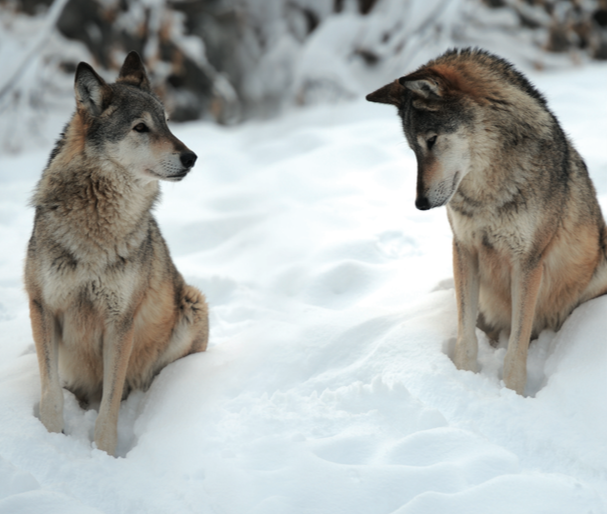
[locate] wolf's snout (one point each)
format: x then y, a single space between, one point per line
188 159
422 203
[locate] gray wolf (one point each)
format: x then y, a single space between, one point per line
529 242
108 307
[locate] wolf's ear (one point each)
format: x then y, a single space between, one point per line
389 94
133 72
91 90
424 88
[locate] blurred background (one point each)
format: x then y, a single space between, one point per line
231 60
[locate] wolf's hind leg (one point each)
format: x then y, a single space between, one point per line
190 333
195 318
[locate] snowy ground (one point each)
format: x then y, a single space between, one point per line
327 387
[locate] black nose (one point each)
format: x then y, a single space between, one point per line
188 158
423 204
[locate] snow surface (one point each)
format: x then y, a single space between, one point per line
327 386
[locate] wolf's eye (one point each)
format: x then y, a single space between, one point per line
141 127
430 142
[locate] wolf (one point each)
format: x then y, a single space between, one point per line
108 308
529 240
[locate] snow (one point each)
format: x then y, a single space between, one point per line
327 386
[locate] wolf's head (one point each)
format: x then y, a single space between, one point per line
437 112
125 123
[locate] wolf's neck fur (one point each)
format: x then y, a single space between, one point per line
98 210
510 145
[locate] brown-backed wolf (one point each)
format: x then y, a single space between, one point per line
528 234
108 307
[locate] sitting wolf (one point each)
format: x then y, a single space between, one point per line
529 240
108 307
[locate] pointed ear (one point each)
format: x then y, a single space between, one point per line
133 72
425 88
92 92
389 94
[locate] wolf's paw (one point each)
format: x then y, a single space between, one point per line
515 373
465 354
466 364
51 412
465 361
54 424
106 436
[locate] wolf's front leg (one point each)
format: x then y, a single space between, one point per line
526 280
47 333
465 272
117 347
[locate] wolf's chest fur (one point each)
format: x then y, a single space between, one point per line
96 241
493 222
